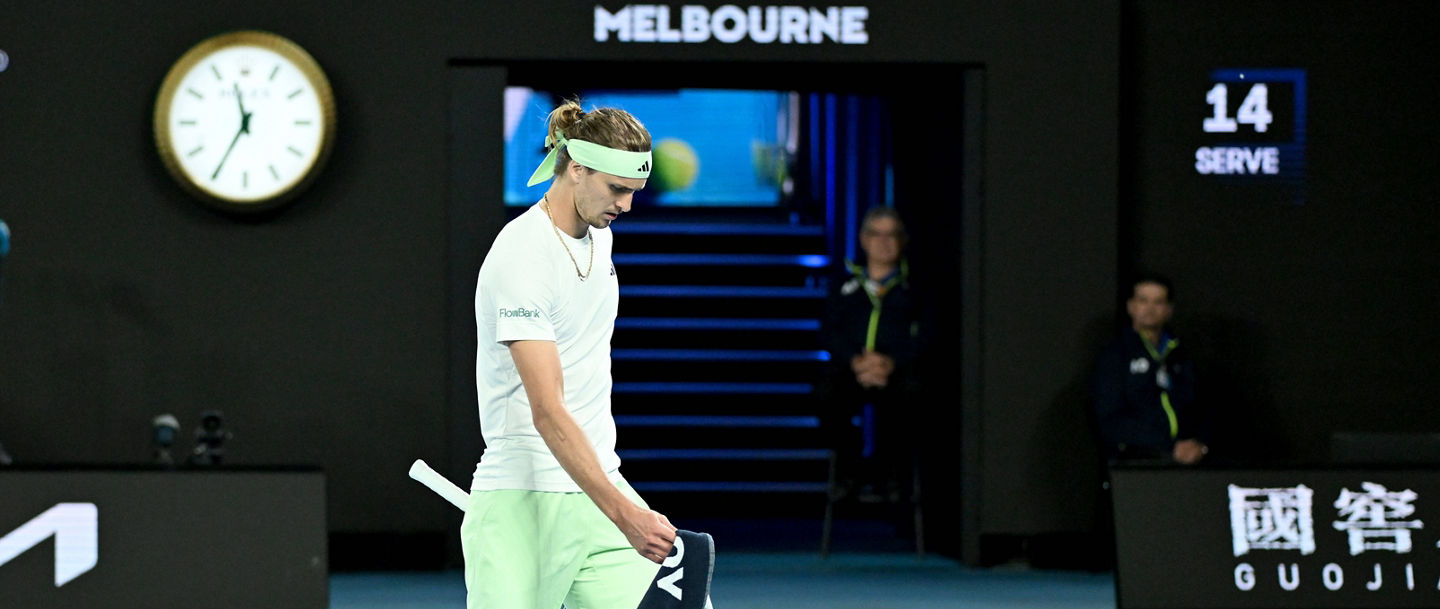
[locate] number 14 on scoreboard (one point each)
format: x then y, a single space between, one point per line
1261 138
1253 111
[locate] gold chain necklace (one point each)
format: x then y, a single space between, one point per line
589 267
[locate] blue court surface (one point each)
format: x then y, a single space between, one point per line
795 581
881 574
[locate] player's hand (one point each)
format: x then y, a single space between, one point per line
649 532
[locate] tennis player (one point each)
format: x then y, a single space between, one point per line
550 518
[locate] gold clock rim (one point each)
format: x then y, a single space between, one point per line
287 49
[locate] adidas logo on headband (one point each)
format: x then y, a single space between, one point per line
594 156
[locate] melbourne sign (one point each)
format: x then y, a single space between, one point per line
729 24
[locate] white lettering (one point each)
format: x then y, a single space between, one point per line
76 528
664 32
1218 97
606 22
671 561
649 23
1377 519
1234 158
1222 160
695 22
852 29
825 25
667 583
644 28
1247 576
734 17
792 25
764 29
1254 110
1244 576
1332 576
1294 581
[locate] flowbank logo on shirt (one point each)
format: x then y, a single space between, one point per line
519 312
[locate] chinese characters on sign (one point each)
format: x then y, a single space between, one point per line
1375 519
1282 519
1271 519
1375 515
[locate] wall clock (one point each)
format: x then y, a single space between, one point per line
245 120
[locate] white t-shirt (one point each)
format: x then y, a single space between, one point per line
529 290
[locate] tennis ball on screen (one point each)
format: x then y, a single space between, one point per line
676 165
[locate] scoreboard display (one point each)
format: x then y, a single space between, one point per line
1252 127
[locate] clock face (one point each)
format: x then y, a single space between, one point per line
245 120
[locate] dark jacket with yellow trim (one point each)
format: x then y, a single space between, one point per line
900 330
1129 410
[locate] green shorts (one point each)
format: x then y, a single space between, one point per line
536 550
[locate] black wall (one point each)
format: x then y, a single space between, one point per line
318 330
1313 316
324 330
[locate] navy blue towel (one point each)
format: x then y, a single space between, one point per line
683 581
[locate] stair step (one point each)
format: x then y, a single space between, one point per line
720 291
809 261
716 355
730 324
711 388
725 454
640 227
744 355
692 420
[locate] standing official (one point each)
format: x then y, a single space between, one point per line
1144 385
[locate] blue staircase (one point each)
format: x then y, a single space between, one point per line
716 352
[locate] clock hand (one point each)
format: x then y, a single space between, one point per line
244 116
227 154
244 129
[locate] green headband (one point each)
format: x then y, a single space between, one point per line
623 163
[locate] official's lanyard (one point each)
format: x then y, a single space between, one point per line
875 297
1163 379
1170 344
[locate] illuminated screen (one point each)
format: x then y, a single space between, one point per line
711 148
1254 126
